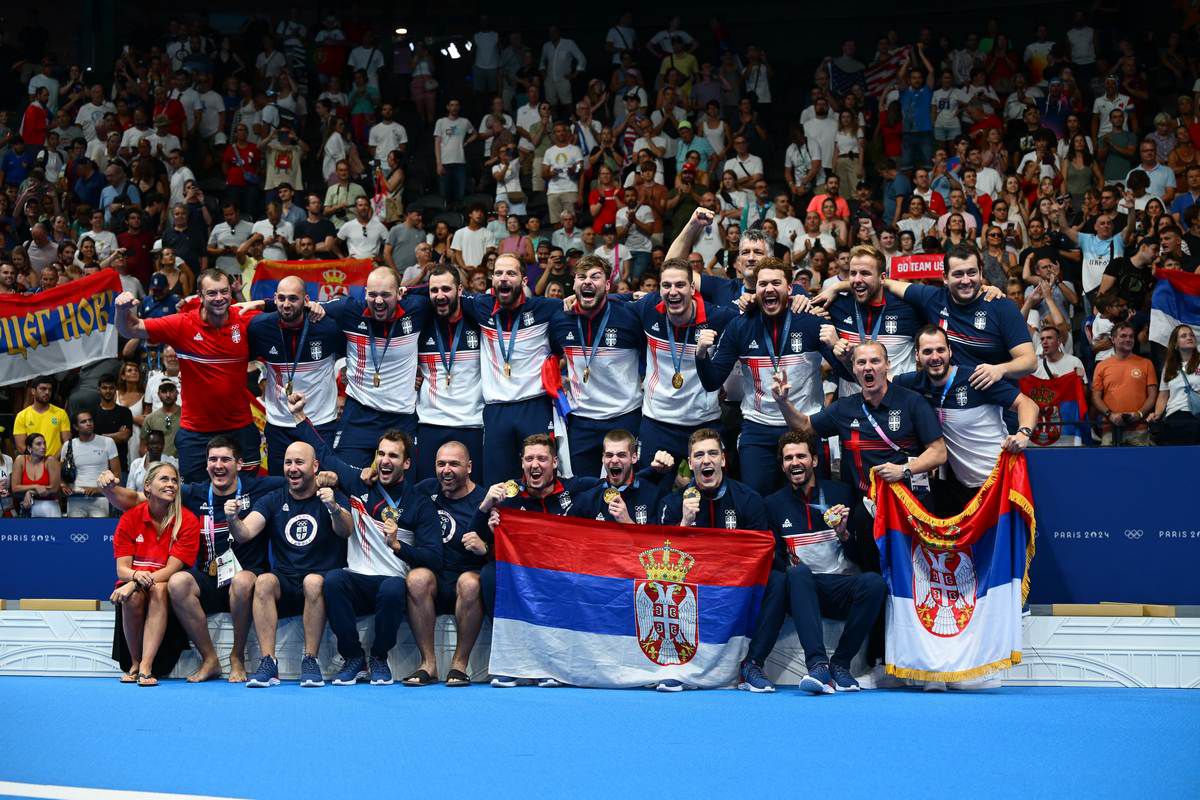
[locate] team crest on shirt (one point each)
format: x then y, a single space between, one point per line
797 342
406 326
893 421
730 518
980 319
565 500
472 340
610 337
449 526
315 351
889 325
300 530
236 335
960 395
640 514
527 318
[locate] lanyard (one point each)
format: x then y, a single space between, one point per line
392 505
447 359
507 354
588 356
210 532
946 391
676 358
787 327
878 430
862 332
299 349
376 359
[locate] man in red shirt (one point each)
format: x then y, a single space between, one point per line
172 109
36 119
136 241
214 349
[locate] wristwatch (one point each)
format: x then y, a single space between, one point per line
1026 430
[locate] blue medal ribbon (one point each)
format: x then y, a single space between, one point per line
507 354
587 357
448 359
676 358
945 391
787 327
212 516
862 332
376 359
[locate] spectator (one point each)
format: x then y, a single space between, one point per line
142 464
42 417
88 454
1124 391
112 420
1162 178
36 480
451 135
1177 409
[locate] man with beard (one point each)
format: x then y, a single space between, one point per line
752 248
972 420
539 489
450 400
622 495
455 588
208 587
601 342
765 341
991 338
395 530
307 527
213 349
514 347
298 356
676 403
887 430
869 312
711 500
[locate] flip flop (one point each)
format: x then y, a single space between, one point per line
419 678
129 677
146 680
456 677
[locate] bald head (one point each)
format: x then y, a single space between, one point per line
290 297
452 466
300 468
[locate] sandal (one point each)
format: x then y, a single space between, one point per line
419 678
130 677
145 679
456 677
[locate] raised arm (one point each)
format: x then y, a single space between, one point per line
128 324
795 419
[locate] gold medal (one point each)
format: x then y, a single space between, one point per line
511 489
212 568
376 380
832 518
690 492
389 514
610 495
507 370
587 373
677 380
288 388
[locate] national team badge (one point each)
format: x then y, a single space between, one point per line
797 342
960 395
472 340
640 515
527 319
889 325
730 518
666 607
610 337
315 350
236 335
980 319
406 326
893 421
943 589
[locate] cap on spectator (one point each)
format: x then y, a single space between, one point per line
683 123
220 138
574 252
158 281
607 229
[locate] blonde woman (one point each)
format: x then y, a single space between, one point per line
153 541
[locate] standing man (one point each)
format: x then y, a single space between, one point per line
213 347
1124 391
226 237
450 400
560 62
298 355
561 166
365 234
601 342
307 528
470 242
451 134
113 420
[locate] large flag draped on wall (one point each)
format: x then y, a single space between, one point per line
324 280
1176 301
620 606
956 586
58 329
1062 410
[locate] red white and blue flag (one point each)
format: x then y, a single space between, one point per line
607 605
1062 410
956 586
1176 301
58 329
323 280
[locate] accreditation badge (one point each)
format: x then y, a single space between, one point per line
227 567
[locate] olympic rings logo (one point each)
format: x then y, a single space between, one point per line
1133 534
79 538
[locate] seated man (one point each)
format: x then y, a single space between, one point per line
308 531
623 496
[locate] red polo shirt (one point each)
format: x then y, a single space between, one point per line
137 535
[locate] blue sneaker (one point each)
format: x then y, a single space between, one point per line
351 673
310 673
670 685
381 673
818 680
843 681
753 679
267 674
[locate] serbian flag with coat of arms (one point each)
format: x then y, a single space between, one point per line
1062 410
1176 301
956 586
607 605
323 280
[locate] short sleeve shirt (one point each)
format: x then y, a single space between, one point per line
137 535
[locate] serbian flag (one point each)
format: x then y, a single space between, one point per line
607 605
1062 410
58 329
1176 301
324 280
956 586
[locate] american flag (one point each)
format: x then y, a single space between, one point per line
842 82
884 71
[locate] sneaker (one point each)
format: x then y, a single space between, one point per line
669 686
503 682
267 674
934 686
990 682
549 683
310 673
818 680
353 671
753 679
381 673
843 681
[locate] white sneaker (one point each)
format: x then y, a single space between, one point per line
669 686
880 679
935 686
979 684
549 683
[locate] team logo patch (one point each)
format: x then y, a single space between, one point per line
943 589
960 395
449 526
527 318
640 514
243 503
610 337
301 530
666 608
893 421
890 325
236 335
980 319
472 340
315 351
406 326
730 518
797 342
753 345
1135 373
564 500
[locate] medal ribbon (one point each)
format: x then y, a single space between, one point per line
587 357
676 359
299 347
862 332
376 359
787 327
210 533
945 391
507 354
448 360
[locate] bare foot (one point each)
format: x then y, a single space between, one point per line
206 671
237 671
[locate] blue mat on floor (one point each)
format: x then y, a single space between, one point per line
337 742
